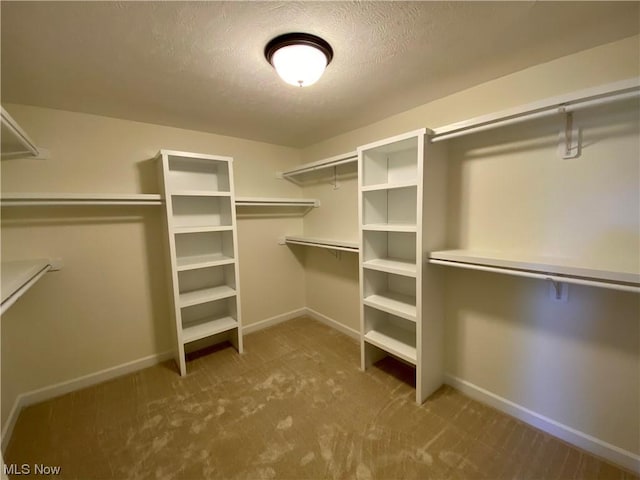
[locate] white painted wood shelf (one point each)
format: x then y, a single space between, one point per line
392 265
302 174
17 277
389 186
550 268
68 199
562 104
276 202
196 297
403 306
322 243
192 262
390 227
207 327
396 341
15 141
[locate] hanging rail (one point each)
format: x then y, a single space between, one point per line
542 276
341 159
614 92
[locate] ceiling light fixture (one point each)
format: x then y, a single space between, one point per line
299 58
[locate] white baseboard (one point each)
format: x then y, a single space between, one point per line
40 395
617 455
270 322
333 323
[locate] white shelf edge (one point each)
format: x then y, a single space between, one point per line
206 328
276 202
543 107
16 132
200 229
391 345
397 267
19 276
197 297
394 304
323 243
388 186
334 161
389 227
199 193
62 199
539 268
202 261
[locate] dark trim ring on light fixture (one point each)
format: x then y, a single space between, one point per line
298 38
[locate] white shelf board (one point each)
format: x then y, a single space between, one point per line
62 199
202 229
16 277
403 306
390 227
276 202
395 341
296 174
565 269
559 104
202 261
323 243
205 295
389 186
199 193
15 141
207 327
392 265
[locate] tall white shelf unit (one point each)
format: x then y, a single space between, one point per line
401 212
203 249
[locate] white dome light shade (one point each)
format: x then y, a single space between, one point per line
299 65
299 58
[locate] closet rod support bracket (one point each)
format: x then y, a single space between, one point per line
570 136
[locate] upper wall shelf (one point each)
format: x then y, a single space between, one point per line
559 270
276 202
304 173
62 199
15 141
19 276
566 103
321 243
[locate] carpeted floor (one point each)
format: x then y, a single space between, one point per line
294 406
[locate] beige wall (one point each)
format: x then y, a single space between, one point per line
108 305
577 362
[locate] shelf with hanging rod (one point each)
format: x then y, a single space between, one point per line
15 141
330 244
276 202
18 276
69 199
300 175
562 104
557 270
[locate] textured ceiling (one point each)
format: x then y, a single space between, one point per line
200 65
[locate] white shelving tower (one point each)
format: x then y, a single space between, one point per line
203 248
401 211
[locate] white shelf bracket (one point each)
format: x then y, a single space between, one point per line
559 290
570 145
